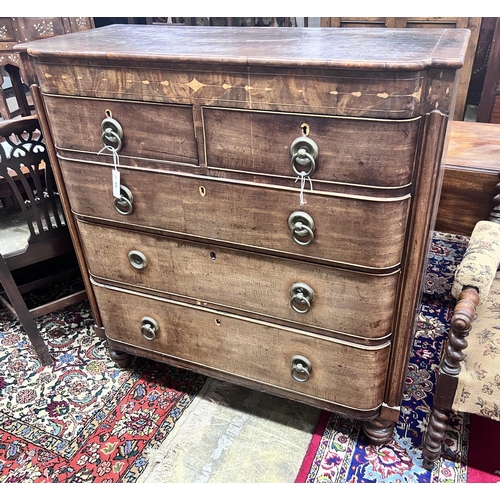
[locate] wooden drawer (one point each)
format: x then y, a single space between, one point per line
250 350
348 230
349 149
348 302
152 131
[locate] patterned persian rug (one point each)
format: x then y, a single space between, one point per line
339 452
85 420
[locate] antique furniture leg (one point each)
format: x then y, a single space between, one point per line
379 431
20 310
122 359
448 374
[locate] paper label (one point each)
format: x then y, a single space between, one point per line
116 183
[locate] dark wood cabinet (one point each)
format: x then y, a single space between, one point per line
276 197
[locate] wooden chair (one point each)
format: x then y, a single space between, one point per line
34 236
469 372
21 104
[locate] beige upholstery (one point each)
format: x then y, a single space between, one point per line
478 390
481 260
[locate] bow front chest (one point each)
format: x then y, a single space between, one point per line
255 204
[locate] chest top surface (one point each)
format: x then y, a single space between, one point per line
355 48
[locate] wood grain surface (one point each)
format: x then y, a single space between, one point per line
352 303
348 149
249 349
350 231
471 172
297 47
152 131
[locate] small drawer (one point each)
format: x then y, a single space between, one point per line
359 305
378 153
339 372
356 231
149 130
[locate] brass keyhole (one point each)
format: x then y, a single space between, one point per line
202 191
305 129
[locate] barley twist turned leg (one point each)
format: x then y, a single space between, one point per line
434 437
447 381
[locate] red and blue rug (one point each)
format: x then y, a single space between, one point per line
85 420
340 453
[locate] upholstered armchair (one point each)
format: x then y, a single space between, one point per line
469 373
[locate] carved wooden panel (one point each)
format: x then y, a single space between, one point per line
14 30
22 29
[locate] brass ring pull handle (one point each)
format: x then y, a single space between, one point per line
112 133
304 152
149 328
301 368
299 157
123 204
302 228
137 259
302 297
111 136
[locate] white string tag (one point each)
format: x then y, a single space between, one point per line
116 172
116 182
303 179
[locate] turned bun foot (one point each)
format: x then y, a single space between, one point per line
428 464
122 359
378 431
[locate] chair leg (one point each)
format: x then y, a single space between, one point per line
434 437
449 370
24 315
19 91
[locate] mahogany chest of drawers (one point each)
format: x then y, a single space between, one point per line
276 194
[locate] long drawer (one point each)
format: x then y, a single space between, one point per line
347 302
344 229
348 150
338 372
153 131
